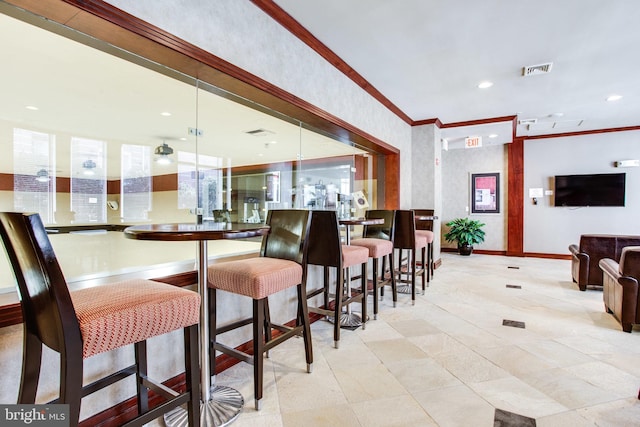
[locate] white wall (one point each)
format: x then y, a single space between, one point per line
457 167
549 229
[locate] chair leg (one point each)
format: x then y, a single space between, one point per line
431 261
31 361
140 350
394 289
425 268
191 360
213 324
267 324
258 350
365 294
71 369
383 274
412 264
375 288
303 314
338 306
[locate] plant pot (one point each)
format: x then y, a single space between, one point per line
465 249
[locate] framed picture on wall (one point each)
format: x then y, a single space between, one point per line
272 187
485 193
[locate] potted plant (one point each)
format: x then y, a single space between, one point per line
466 232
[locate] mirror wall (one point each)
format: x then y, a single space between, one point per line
96 139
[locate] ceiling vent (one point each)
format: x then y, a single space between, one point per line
527 121
259 132
534 70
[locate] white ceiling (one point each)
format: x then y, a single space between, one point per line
427 57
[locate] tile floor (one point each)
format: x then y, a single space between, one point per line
451 361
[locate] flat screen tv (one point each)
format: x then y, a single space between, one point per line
605 189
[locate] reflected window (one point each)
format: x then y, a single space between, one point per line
34 183
136 184
208 177
88 181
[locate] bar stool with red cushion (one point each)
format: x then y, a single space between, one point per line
326 250
378 239
405 239
83 323
424 228
281 265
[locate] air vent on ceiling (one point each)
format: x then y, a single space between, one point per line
259 132
534 70
527 121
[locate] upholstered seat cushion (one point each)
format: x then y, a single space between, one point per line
421 242
426 234
123 313
255 277
377 247
354 255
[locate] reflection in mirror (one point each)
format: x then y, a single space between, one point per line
104 140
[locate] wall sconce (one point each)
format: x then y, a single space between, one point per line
163 152
42 176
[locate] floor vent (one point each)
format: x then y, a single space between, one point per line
259 132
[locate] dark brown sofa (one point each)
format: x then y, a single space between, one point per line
593 247
621 295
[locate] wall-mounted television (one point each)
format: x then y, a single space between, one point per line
604 189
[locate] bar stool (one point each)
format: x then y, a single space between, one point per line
405 238
326 250
83 323
424 228
281 265
378 239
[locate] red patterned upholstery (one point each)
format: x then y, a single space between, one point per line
257 279
354 255
131 311
377 247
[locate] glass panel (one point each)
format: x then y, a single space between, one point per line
162 146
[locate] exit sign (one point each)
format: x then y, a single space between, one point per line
473 142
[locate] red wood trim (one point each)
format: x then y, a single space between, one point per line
392 182
548 256
435 121
294 27
584 132
10 314
479 122
515 208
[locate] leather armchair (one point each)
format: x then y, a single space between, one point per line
620 280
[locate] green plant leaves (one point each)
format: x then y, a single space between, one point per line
465 231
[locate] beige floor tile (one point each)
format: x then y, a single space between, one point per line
470 367
367 382
511 394
422 375
564 419
456 406
396 350
397 411
620 413
514 360
414 327
327 416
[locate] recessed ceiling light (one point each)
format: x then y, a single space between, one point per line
31 107
614 97
493 135
485 85
165 113
558 114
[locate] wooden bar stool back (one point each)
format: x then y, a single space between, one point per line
80 324
405 239
281 265
378 239
327 250
425 229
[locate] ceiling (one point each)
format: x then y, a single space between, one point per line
427 57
